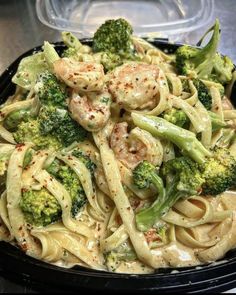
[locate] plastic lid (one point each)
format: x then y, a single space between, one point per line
148 17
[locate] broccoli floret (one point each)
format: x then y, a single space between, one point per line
190 178
72 43
177 117
196 61
114 258
110 60
30 132
218 167
70 52
58 123
91 166
219 172
12 121
114 36
144 175
223 68
205 63
50 91
71 182
40 208
203 93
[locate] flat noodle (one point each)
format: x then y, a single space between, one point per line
64 199
195 230
207 131
5 222
218 251
126 176
35 166
16 217
6 135
164 101
85 177
176 84
114 240
208 215
122 203
191 112
16 106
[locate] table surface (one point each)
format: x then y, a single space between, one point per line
20 30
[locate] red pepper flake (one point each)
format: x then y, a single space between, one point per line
151 235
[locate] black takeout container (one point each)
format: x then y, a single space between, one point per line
216 277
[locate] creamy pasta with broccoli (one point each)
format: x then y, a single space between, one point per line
119 156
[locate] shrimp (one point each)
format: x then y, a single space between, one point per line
91 110
135 147
82 76
134 85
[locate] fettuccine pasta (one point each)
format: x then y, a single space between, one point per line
68 155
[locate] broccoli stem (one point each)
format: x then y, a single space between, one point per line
207 53
50 54
147 217
184 139
70 40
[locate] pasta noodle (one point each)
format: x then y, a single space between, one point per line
68 193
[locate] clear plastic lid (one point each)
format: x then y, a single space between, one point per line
157 18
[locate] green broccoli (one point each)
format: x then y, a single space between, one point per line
69 52
110 60
71 182
114 258
184 139
218 167
30 132
145 174
12 121
177 117
216 122
72 43
203 93
223 68
70 40
58 122
40 208
28 70
205 63
114 36
50 91
219 172
190 178
91 166
28 157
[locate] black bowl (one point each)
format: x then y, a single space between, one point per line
216 277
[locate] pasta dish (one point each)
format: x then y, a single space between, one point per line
119 156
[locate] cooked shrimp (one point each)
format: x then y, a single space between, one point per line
91 110
134 85
135 147
82 76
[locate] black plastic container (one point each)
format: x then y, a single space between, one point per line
216 277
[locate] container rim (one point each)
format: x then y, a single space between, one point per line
201 19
